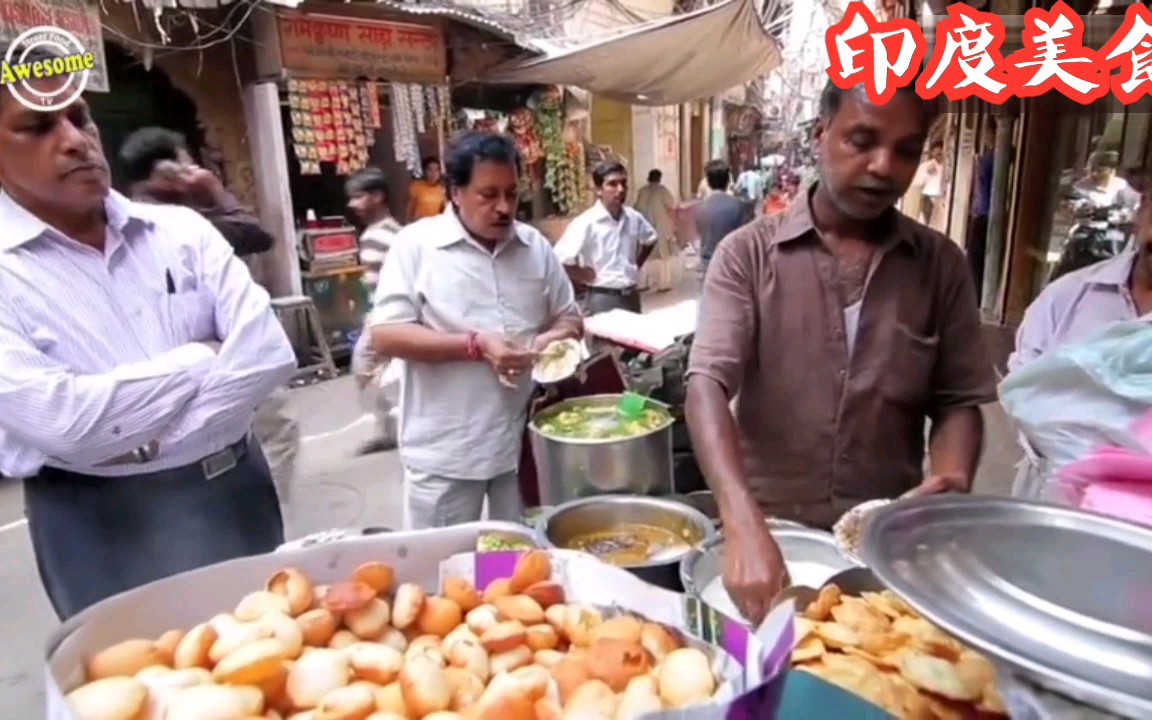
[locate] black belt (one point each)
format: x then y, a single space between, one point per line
617 292
213 466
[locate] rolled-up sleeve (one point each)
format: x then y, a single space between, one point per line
726 328
963 375
396 301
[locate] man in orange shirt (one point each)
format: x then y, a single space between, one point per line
426 196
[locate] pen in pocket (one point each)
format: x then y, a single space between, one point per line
171 283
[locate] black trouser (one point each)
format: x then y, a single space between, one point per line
600 300
95 537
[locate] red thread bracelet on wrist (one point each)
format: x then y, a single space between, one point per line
473 347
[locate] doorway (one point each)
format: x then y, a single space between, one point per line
139 98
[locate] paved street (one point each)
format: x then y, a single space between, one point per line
335 489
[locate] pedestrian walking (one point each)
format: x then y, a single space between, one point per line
367 192
860 324
750 186
604 247
160 169
658 206
719 214
133 349
467 300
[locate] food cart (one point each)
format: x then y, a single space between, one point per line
420 625
972 607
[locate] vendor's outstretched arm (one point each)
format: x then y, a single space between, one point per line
962 381
955 444
717 449
721 349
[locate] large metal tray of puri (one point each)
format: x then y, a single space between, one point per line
1060 596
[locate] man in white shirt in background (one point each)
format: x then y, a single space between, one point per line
134 346
467 300
604 247
367 192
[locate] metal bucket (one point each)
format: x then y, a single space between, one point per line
570 468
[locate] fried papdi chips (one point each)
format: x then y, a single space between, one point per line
877 647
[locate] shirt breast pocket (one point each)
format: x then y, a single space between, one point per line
191 316
907 377
526 303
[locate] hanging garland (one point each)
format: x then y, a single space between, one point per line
562 176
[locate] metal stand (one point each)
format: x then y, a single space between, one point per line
301 321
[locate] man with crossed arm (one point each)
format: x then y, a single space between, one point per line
134 347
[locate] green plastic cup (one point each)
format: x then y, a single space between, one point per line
632 405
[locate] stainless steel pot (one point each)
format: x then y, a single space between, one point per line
599 514
798 544
569 468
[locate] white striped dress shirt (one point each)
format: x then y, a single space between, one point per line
98 358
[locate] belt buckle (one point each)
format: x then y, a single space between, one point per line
216 465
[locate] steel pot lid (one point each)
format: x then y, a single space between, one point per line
1060 595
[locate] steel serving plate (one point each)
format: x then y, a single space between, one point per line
1059 596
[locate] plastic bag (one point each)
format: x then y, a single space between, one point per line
1113 481
1083 396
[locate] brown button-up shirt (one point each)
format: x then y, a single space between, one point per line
822 431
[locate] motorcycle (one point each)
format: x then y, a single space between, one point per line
1100 232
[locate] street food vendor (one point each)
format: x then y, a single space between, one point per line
467 299
839 328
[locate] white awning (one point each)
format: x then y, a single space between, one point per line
663 62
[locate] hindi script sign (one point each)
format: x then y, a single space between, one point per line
341 48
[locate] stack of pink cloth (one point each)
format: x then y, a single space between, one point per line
1113 481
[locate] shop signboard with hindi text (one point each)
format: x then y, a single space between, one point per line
348 48
75 17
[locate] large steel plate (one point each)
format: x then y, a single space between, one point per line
1060 595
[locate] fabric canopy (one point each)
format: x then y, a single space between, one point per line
664 62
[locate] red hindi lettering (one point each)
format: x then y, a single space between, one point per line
1129 50
883 56
376 34
1055 58
968 63
298 27
415 38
